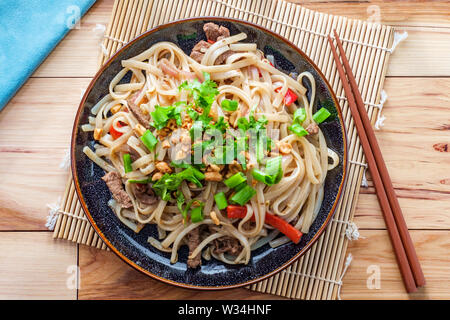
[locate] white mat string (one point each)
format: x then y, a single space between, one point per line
338 282
364 182
352 231
54 212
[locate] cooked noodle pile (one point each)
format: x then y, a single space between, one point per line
146 142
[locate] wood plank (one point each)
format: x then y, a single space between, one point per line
35 130
403 13
426 52
417 117
34 266
106 276
375 250
428 213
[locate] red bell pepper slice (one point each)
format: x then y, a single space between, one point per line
114 133
289 98
234 211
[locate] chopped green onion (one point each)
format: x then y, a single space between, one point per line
197 214
299 116
243 196
229 105
149 140
321 115
240 186
273 168
221 200
142 181
273 173
127 163
241 148
298 130
235 180
262 176
185 37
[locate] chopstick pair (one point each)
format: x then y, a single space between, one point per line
401 241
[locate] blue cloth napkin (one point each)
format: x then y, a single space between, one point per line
29 30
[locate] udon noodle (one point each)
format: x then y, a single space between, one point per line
245 84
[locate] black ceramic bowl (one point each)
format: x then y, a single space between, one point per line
133 248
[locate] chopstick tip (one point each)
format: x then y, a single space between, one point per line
335 33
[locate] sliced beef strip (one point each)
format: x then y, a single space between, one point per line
142 118
227 245
193 238
213 31
144 194
114 183
127 149
199 50
223 57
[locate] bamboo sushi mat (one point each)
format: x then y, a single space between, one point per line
318 273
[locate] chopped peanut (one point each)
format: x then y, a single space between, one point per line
214 218
214 168
165 144
157 176
284 147
172 124
234 167
98 133
139 129
213 176
163 167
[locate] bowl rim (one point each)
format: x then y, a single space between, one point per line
132 263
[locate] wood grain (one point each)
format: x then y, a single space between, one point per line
35 130
375 250
106 276
417 114
34 266
77 55
392 12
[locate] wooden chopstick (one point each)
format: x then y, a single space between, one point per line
393 200
369 150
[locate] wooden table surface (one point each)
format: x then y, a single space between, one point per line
35 130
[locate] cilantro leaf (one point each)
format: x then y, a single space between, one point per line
203 94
